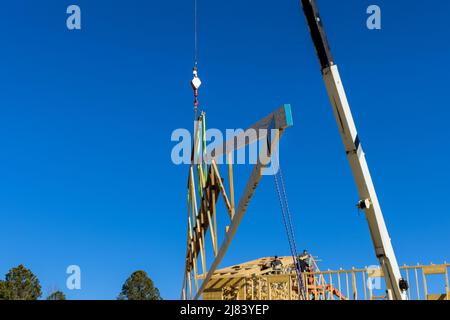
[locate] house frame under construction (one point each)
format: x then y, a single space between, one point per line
256 280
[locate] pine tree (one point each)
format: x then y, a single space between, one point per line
139 287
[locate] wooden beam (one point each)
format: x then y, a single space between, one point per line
212 193
280 119
211 226
231 183
204 215
222 188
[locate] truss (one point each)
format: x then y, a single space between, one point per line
206 186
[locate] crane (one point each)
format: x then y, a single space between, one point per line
395 286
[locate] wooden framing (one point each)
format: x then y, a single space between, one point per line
255 281
203 196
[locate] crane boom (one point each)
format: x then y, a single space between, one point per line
395 285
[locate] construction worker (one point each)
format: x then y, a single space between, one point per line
303 261
277 265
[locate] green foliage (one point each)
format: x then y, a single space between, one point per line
20 284
2 290
139 287
57 295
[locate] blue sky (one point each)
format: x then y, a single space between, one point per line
86 117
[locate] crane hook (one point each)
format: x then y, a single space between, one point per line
195 83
